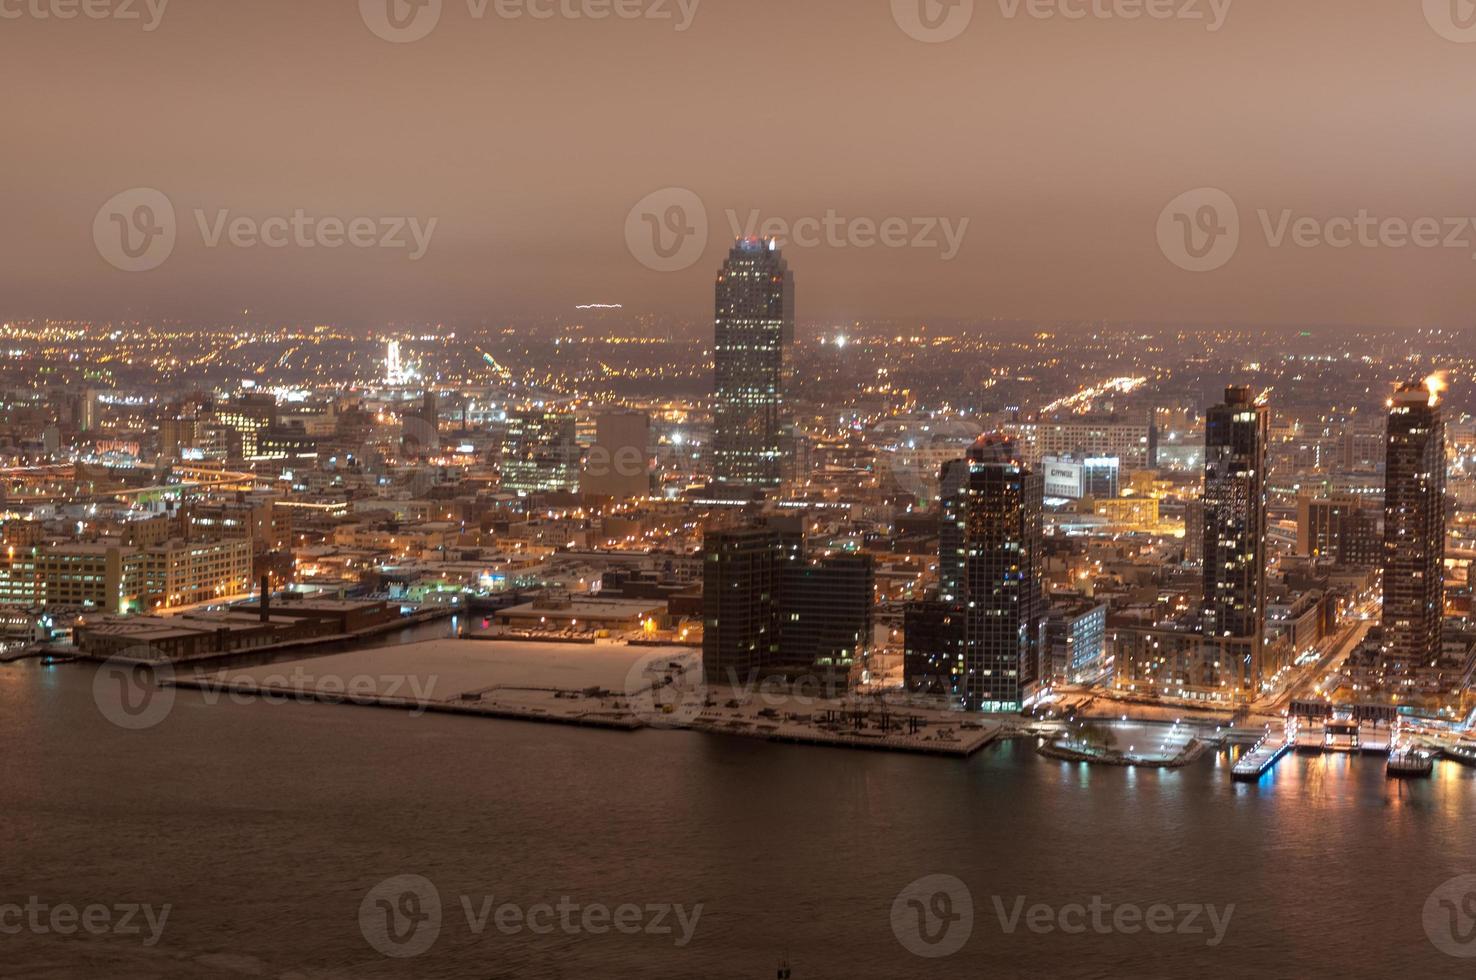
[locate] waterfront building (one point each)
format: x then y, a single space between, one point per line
1414 528
1234 564
769 609
1075 642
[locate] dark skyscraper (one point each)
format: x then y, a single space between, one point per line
1235 438
771 609
981 641
1000 504
753 340
740 600
1414 528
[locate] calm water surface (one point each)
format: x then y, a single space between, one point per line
263 827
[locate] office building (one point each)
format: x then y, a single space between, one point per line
540 453
1131 441
770 610
752 350
618 465
1234 564
1075 642
1414 528
1342 528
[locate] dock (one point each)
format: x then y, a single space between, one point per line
1410 763
1464 757
1264 755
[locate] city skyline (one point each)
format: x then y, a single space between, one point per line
690 488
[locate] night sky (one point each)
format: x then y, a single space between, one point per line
528 141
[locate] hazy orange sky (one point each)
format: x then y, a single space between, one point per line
528 141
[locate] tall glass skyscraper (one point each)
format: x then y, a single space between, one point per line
752 350
1236 434
1000 503
1414 528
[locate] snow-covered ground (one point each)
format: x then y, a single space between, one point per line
627 686
447 670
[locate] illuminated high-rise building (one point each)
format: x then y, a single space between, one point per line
1000 504
1234 505
752 348
394 370
1236 434
981 642
540 453
1414 528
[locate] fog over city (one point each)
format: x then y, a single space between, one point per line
1056 132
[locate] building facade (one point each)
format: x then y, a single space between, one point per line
540 453
1234 565
752 350
1414 529
1001 508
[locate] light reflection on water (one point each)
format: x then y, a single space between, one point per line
296 810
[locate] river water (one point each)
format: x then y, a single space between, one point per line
263 827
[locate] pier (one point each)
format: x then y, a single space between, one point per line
1272 747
